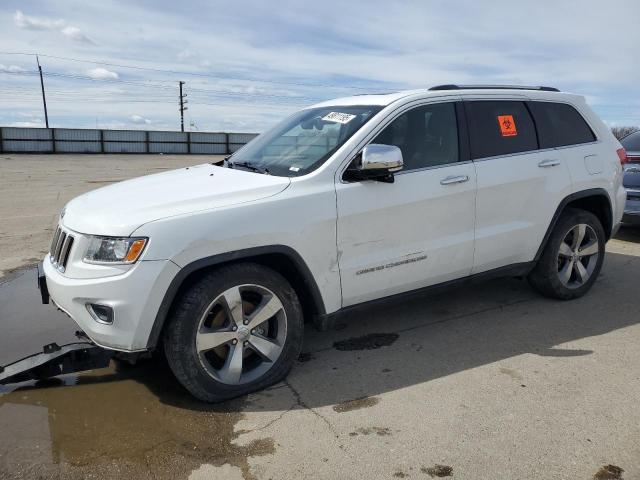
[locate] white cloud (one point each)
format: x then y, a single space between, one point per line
27 22
32 23
140 119
102 74
75 34
11 68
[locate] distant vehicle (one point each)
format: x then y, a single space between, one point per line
631 143
342 204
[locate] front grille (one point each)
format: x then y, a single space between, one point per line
60 248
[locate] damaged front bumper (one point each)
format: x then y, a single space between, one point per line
133 297
55 360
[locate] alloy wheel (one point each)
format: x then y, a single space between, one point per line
578 255
241 334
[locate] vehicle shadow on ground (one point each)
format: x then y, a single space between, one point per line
460 330
437 336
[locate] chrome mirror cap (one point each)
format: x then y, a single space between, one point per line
381 157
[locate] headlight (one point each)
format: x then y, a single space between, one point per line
112 250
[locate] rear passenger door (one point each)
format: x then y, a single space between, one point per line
560 126
519 184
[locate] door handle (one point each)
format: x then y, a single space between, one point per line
548 163
454 179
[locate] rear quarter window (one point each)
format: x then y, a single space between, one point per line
499 128
560 125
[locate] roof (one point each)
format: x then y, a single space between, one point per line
384 99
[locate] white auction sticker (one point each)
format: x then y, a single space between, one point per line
338 117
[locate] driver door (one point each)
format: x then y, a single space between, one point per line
419 230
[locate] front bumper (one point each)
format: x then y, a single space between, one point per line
134 296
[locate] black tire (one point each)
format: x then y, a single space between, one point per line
545 277
184 322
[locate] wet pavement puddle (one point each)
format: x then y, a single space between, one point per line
124 421
371 341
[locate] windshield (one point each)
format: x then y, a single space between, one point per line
304 141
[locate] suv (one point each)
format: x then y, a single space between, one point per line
344 203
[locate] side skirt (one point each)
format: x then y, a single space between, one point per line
327 321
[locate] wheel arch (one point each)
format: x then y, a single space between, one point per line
594 200
283 259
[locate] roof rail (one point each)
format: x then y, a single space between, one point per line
493 87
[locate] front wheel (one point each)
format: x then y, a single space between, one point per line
236 330
572 258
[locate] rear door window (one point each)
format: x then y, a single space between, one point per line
499 128
560 125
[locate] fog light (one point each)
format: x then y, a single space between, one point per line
101 313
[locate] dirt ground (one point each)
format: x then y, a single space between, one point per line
34 188
485 382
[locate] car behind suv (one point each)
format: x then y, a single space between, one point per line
631 181
344 203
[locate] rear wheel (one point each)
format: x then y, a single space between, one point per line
572 258
236 330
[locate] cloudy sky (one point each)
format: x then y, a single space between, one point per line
116 64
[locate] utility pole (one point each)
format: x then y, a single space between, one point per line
44 98
182 107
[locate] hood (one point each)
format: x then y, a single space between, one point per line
117 210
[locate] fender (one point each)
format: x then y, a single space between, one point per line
592 192
227 257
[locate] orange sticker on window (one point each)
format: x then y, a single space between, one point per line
507 126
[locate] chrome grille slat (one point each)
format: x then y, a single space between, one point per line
64 252
61 248
56 254
55 240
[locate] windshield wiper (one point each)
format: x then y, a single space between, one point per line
248 165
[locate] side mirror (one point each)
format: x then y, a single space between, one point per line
376 162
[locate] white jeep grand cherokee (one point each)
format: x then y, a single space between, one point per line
344 203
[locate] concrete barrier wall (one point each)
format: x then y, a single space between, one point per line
68 140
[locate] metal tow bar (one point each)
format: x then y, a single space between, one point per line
56 360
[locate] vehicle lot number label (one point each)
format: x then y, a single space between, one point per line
338 117
507 126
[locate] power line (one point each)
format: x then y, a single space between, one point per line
202 96
163 87
198 74
115 98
